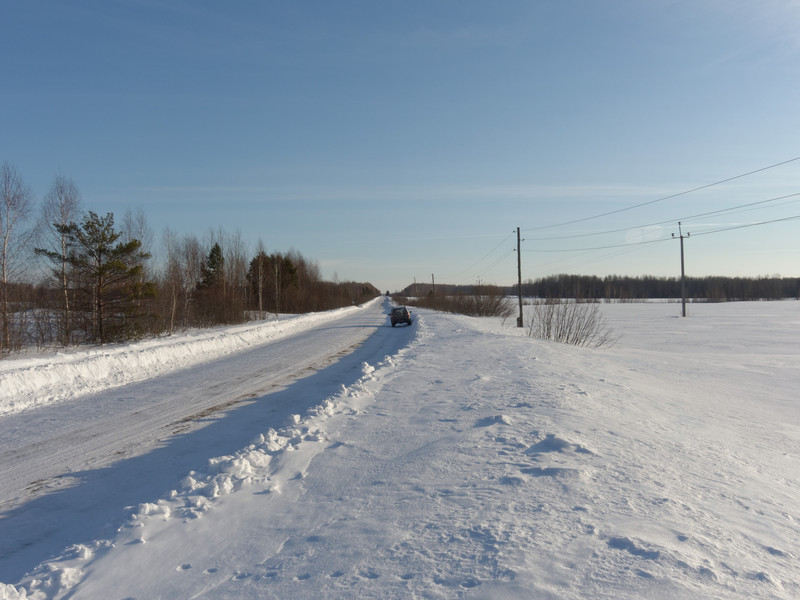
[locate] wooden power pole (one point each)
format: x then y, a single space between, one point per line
683 273
519 280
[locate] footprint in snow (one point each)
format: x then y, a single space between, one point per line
368 574
761 576
628 545
776 552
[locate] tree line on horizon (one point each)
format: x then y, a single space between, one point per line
69 276
624 287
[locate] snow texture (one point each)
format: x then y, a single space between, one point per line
31 382
470 461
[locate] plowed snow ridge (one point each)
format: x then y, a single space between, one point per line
30 382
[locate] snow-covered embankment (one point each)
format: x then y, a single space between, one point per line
28 382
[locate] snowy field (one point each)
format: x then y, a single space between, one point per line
461 460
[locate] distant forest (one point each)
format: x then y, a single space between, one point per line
622 287
69 276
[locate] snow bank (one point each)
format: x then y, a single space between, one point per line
30 382
265 466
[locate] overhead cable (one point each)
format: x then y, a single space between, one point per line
746 225
603 247
795 217
668 221
484 257
697 189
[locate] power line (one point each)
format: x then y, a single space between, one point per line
484 257
649 202
668 221
742 206
604 247
495 263
572 260
630 245
669 238
746 225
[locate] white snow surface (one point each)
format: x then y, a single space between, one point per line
30 382
456 458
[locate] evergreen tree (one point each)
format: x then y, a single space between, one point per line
107 270
211 271
210 298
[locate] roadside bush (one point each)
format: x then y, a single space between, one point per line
570 322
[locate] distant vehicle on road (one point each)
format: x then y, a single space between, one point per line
400 314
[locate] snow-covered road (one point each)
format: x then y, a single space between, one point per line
127 444
458 458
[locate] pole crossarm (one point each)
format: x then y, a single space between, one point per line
683 272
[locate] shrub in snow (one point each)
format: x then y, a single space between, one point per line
571 322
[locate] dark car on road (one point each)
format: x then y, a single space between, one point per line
400 314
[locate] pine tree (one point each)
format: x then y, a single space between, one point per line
212 269
107 269
210 298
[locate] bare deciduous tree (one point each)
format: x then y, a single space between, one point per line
60 207
191 261
135 226
172 279
236 276
15 239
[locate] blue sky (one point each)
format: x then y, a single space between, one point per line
395 140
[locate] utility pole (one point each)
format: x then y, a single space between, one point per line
519 280
683 273
433 286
